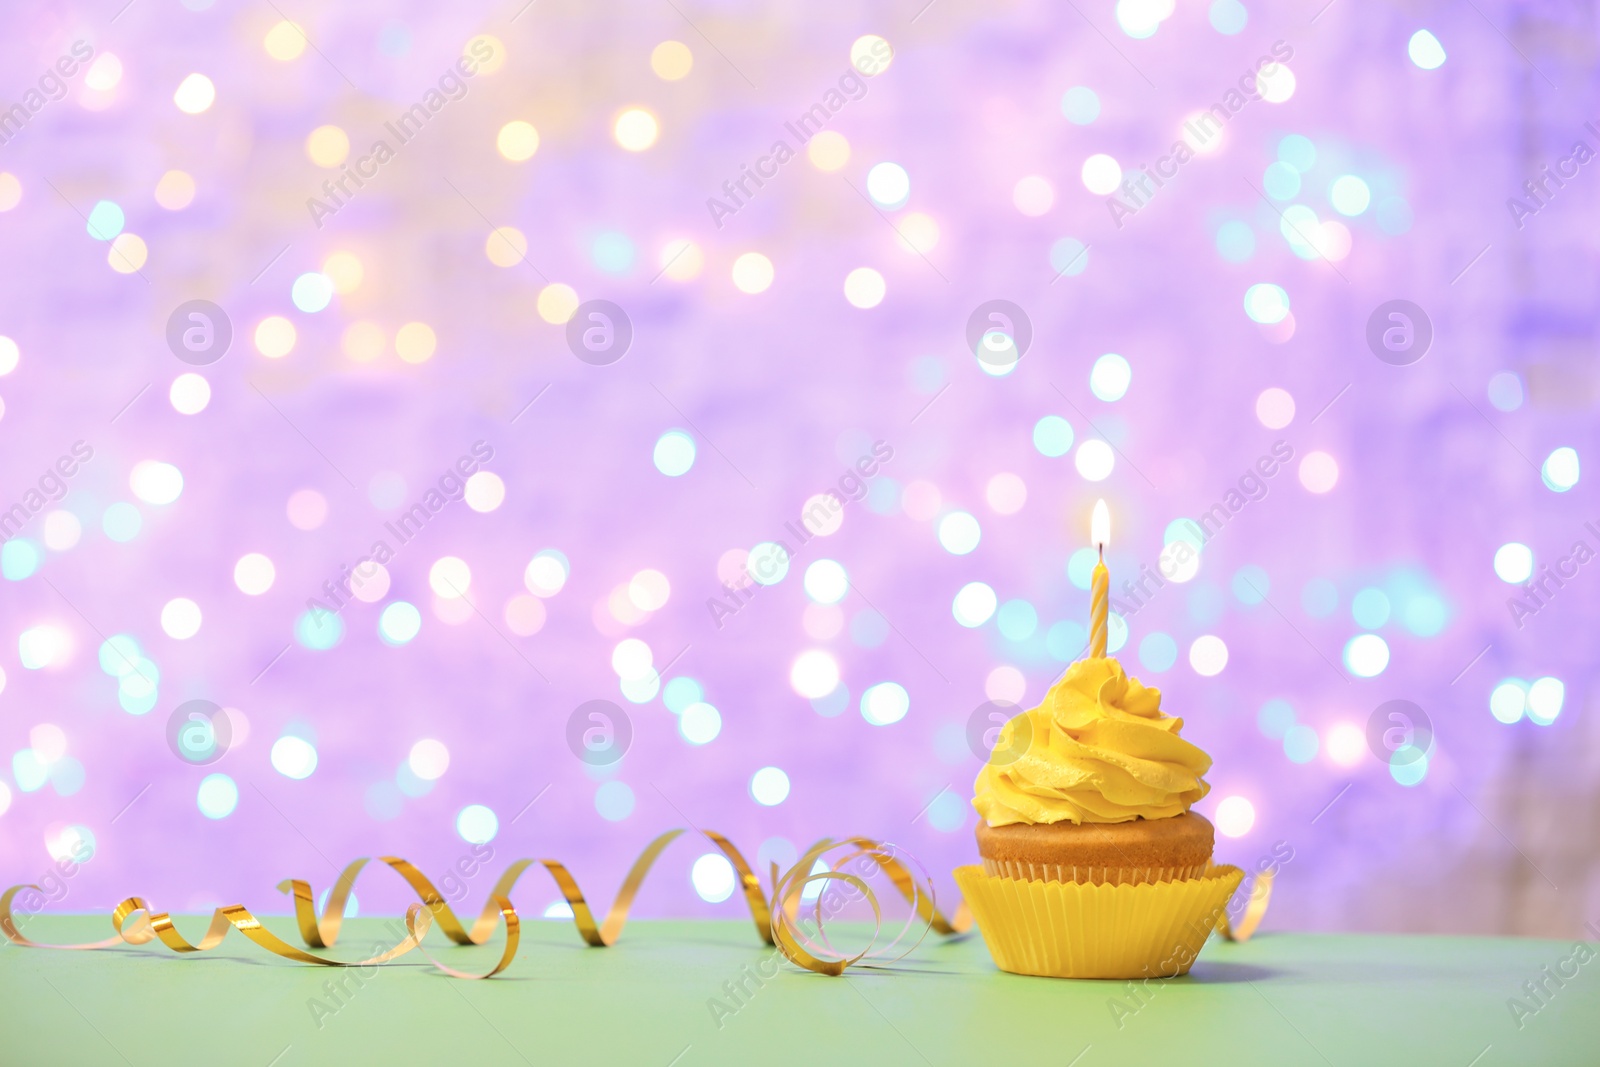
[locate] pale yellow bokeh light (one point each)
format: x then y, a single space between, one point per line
345 271
104 74
285 41
557 302
871 54
671 60
175 190
275 337
1203 132
864 288
327 146
828 150
195 94
752 273
918 232
681 259
127 253
415 342
489 53
363 341
636 129
1275 83
517 140
10 191
506 247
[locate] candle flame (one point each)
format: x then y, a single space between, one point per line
1100 525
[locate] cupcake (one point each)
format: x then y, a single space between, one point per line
1093 866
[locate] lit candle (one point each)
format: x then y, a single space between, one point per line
1100 594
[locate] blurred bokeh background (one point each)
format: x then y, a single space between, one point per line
244 346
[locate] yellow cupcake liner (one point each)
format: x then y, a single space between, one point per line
1063 872
1084 930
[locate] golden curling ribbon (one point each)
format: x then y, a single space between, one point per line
775 920
149 925
1260 896
806 949
137 934
136 924
324 932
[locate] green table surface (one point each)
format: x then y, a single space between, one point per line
1278 999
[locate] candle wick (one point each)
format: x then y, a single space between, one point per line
1102 547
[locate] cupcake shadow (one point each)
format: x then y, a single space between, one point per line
1217 972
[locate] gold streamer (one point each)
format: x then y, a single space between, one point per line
775 919
787 891
8 927
1260 896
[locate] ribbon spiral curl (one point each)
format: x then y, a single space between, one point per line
775 918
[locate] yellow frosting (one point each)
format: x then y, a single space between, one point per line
1099 750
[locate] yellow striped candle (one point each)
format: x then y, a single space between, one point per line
1100 583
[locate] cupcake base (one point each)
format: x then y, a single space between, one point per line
1060 929
1139 850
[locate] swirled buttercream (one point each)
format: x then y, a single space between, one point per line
1097 749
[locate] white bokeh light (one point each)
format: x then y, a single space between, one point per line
190 393
1508 701
485 491
217 796
155 482
1110 377
959 533
44 646
1513 562
864 288
768 563
1319 472
649 590
1275 83
713 877
1425 50
449 577
477 824
974 604
1235 816
253 574
769 786
1095 459
545 574
1101 174
885 703
180 618
752 273
674 453
632 658
195 94
700 723
814 674
62 529
889 185
1545 699
1275 408
293 757
1560 469
1366 655
826 581
428 759
1208 655
1346 744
